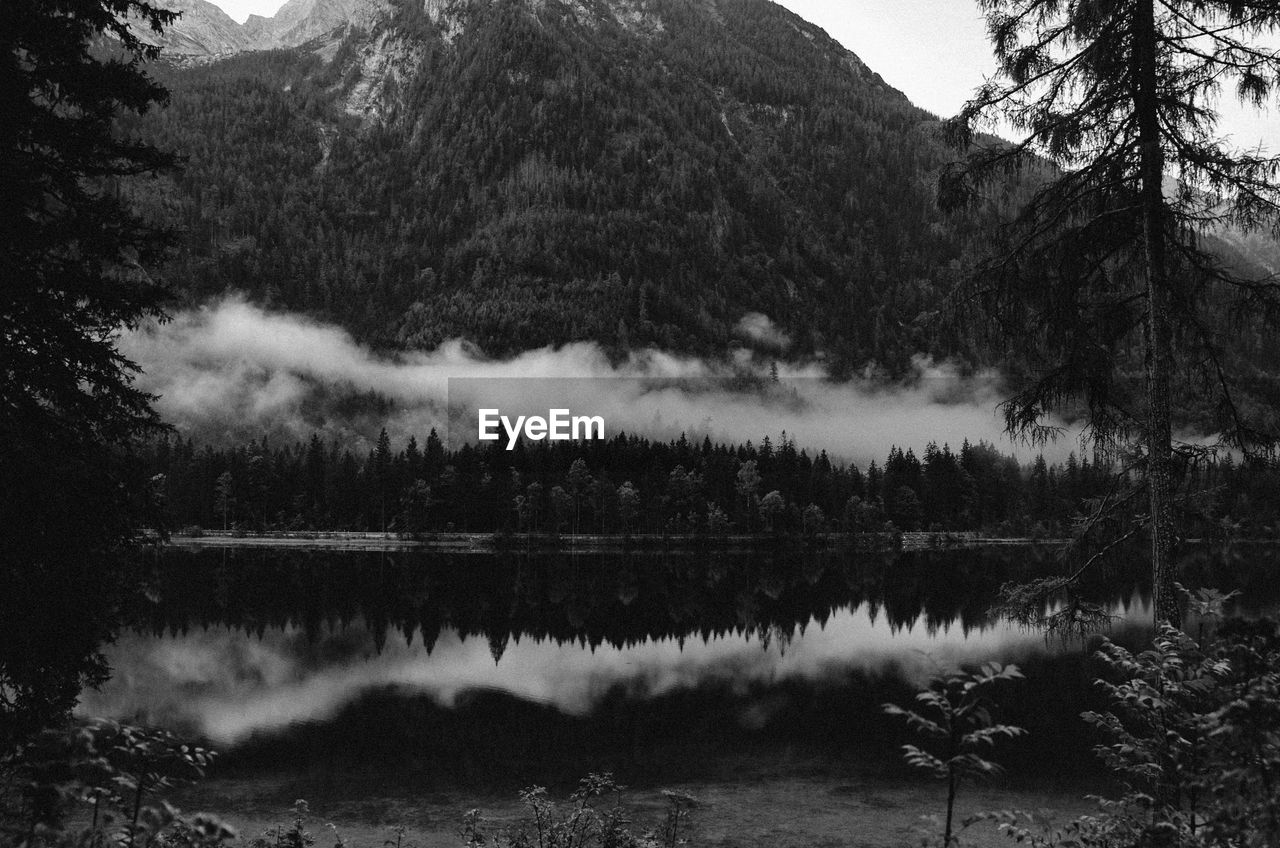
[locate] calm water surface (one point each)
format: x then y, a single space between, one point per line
509 666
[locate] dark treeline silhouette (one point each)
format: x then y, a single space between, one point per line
623 599
588 599
629 484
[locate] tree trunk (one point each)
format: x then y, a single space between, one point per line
951 805
1159 354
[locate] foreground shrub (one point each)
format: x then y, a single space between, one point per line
100 784
585 822
591 817
957 719
1193 734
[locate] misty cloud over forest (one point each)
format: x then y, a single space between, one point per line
232 371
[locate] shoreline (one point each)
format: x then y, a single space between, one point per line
500 542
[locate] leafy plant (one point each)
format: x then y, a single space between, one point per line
110 774
679 811
472 833
295 835
398 831
1193 733
583 823
957 715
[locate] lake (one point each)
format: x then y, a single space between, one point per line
400 686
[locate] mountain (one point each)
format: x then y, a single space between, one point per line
299 21
204 32
522 173
532 172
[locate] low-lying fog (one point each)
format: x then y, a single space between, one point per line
232 371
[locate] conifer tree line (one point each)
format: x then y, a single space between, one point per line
629 484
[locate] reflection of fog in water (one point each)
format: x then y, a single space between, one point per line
226 684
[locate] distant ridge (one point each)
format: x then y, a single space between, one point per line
205 32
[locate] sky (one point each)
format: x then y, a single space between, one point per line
934 51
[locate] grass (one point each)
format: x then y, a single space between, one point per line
752 804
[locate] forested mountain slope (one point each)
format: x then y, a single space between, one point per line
521 173
531 172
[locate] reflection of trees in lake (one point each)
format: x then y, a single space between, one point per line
311 622
402 735
614 599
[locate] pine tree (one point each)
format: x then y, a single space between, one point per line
381 462
1105 263
224 497
579 480
74 255
71 275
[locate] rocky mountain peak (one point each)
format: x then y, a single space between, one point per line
205 32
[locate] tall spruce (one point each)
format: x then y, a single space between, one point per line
74 253
1110 269
71 275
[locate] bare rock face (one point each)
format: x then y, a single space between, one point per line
299 21
386 65
205 32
